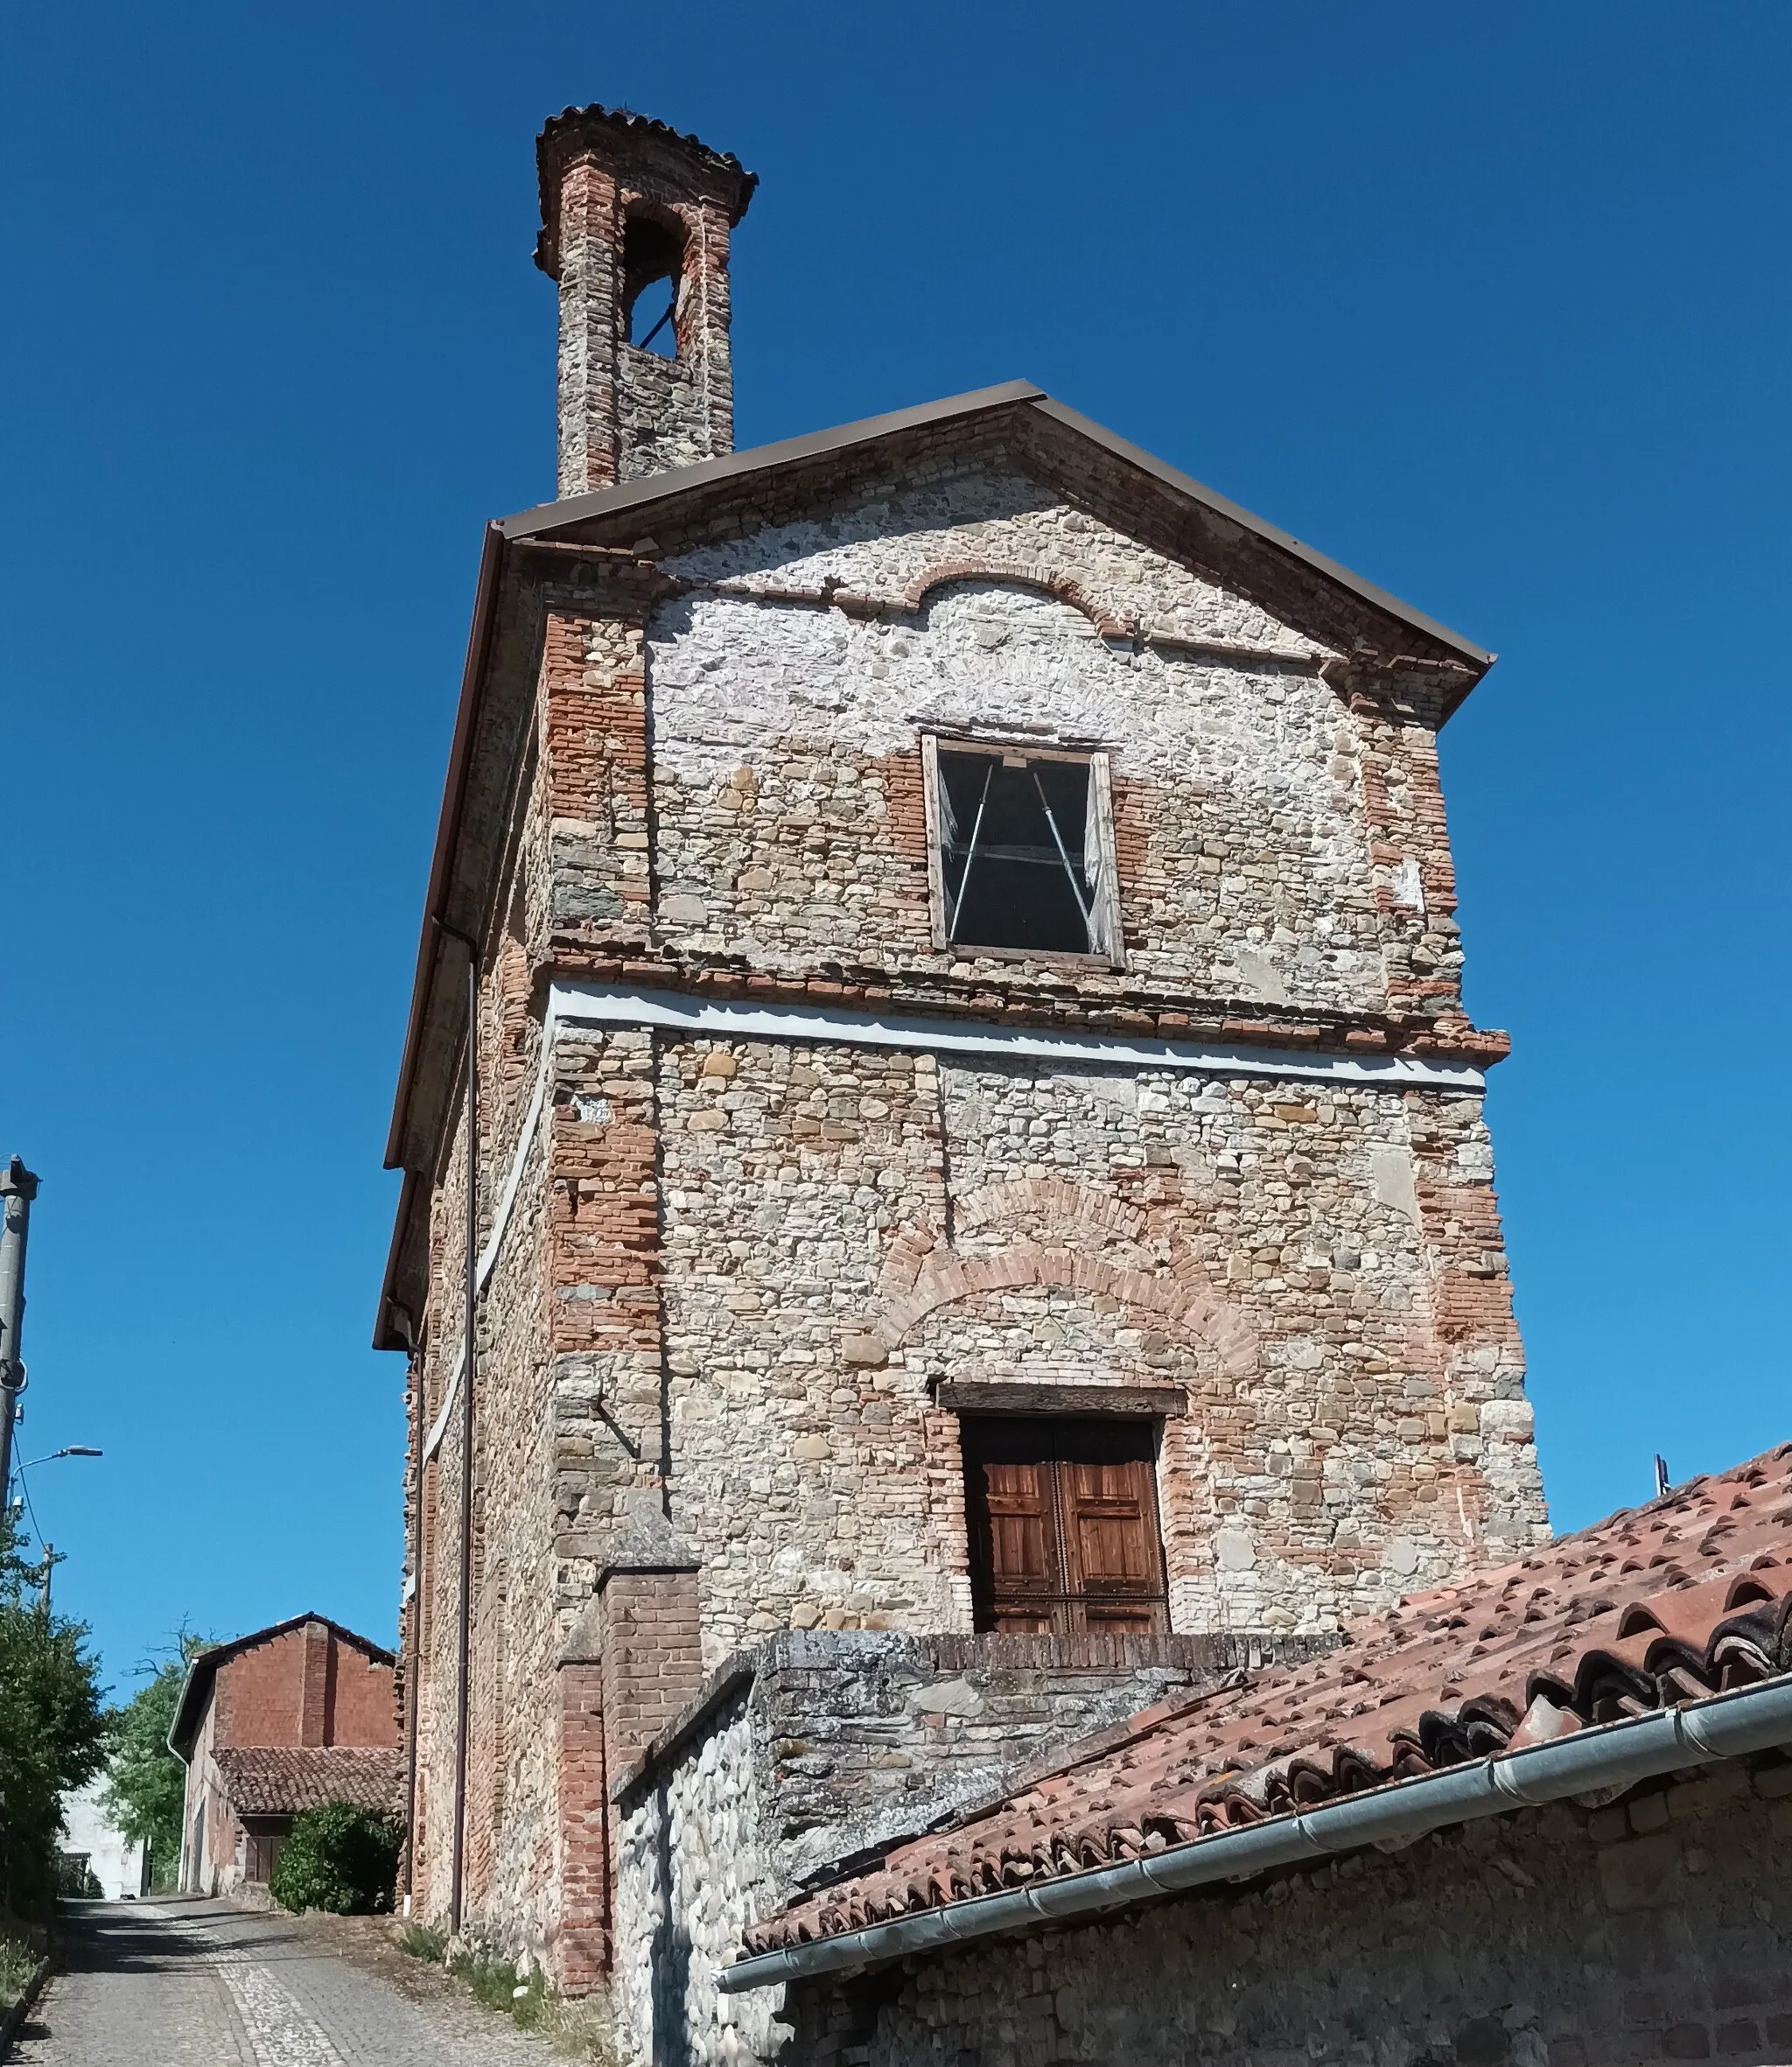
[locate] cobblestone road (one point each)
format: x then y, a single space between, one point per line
196 1984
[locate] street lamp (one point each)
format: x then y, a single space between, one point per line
52 1557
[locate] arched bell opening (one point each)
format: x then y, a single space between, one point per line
652 272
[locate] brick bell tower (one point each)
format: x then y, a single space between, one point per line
635 220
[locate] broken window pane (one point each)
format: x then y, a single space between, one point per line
1019 853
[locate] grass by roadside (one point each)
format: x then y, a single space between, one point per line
17 1964
22 1950
420 1964
579 2027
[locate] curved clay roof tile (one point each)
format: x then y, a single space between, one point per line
1306 1732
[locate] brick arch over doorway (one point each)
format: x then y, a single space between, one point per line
1178 1298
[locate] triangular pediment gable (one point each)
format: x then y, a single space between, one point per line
895 546
702 517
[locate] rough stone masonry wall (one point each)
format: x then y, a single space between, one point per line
821 1745
861 1738
567 1319
749 1266
1320 1267
691 1869
846 1229
1652 1929
511 1819
1280 841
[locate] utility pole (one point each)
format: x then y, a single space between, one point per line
53 1558
17 1188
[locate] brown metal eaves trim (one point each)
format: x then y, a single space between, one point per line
448 828
549 517
1183 484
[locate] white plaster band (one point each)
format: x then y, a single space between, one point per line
500 1220
432 1441
615 1004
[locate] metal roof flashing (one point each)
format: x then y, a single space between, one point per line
1615 1755
684 480
548 518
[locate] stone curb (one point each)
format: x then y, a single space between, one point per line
14 2017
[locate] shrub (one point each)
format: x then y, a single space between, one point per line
497 1983
337 1858
580 2026
424 1943
494 1981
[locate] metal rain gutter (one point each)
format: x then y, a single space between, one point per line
1616 1756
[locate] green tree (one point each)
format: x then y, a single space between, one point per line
52 1729
337 1858
146 1783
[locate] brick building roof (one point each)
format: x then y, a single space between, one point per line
203 1668
281 1781
1689 1596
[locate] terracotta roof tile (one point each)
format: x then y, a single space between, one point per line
281 1781
1686 1597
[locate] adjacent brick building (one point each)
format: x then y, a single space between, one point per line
977 1144
291 1717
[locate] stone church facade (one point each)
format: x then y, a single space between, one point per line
937 1076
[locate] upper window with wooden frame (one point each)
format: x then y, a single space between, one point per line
1021 846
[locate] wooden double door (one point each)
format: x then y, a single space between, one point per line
1063 1515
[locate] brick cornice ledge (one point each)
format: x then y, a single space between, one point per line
1137 1015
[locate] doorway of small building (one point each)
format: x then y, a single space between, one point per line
1063 1518
265 1839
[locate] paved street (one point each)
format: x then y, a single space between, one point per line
197 1984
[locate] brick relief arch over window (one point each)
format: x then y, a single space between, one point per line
1179 1297
1110 622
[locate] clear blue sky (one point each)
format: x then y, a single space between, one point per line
1491 305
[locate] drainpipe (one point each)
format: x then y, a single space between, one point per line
414 1671
470 1297
1616 1756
